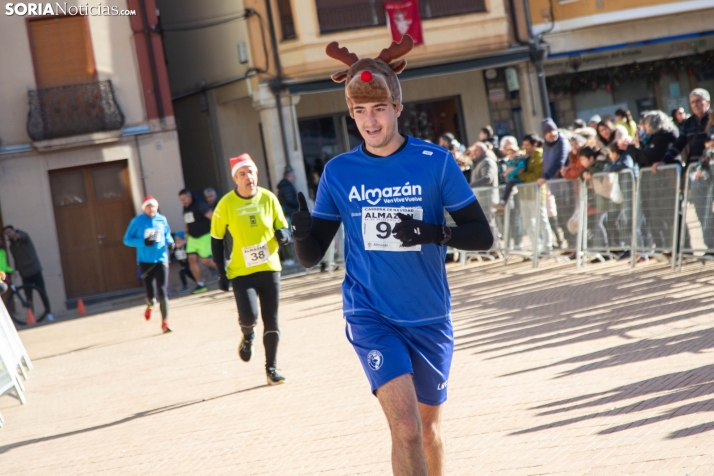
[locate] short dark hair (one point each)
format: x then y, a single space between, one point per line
534 139
589 152
185 191
9 227
488 130
578 124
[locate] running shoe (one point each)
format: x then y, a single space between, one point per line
245 349
273 377
199 289
165 327
148 312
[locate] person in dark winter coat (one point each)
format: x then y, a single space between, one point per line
662 134
287 196
555 151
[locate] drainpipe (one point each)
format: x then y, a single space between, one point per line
277 84
538 55
152 63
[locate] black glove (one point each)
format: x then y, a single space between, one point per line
282 236
413 232
150 240
302 220
223 282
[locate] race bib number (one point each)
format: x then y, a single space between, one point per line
188 217
378 225
155 235
255 255
180 254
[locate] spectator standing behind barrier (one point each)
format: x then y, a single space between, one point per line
690 144
608 134
661 134
150 234
484 166
679 115
555 155
533 203
593 162
594 121
509 150
623 117
26 262
197 217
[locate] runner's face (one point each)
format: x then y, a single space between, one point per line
377 122
186 200
151 210
246 178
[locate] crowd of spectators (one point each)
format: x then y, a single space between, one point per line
603 145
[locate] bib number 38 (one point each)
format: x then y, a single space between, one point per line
256 254
378 228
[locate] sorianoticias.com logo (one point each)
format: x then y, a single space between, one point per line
57 8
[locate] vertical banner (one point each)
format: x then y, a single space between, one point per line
403 18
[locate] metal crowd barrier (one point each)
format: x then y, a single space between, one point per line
487 197
697 230
658 202
12 357
613 215
607 217
544 215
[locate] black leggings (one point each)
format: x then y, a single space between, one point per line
247 289
158 272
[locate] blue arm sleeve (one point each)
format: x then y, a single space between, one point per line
130 238
169 238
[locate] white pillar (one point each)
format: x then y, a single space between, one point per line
264 102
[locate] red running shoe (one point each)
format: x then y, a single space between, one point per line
148 312
165 327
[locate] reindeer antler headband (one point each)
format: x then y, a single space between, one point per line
370 80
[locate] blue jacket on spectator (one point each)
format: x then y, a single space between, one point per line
623 162
555 156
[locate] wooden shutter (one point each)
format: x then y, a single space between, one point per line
62 51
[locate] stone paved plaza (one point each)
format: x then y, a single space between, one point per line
556 371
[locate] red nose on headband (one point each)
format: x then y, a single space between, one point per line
366 76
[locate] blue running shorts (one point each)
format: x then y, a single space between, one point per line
387 351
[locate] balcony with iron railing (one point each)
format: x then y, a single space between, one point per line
72 110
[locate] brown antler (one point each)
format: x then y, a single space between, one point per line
333 50
397 50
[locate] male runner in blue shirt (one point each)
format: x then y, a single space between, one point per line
390 193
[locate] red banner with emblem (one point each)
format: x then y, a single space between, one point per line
403 18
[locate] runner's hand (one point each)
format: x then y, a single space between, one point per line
413 232
223 282
301 220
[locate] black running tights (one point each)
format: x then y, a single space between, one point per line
263 285
158 272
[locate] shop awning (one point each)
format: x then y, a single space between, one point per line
511 57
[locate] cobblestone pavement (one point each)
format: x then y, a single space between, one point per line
557 371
